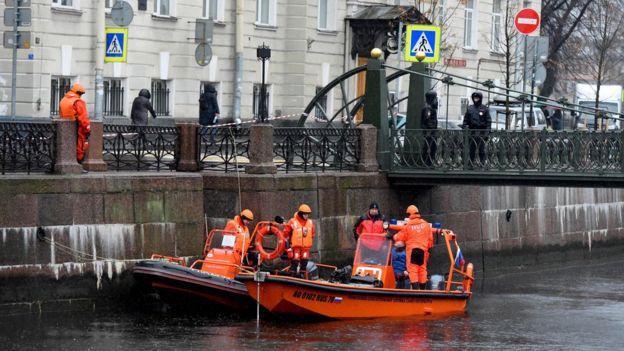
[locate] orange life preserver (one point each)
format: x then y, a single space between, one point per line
273 230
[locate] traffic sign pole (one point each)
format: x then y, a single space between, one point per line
14 63
526 21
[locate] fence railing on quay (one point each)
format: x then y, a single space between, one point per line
584 153
27 147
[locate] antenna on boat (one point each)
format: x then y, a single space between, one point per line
259 277
240 198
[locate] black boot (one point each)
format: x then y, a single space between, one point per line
423 286
294 264
414 286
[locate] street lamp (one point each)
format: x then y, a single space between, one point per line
264 54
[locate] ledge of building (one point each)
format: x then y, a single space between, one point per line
66 10
164 18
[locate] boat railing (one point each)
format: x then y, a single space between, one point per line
178 260
243 269
464 270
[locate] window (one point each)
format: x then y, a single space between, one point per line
441 12
58 87
113 97
214 9
164 7
66 3
256 99
320 109
266 12
469 35
160 97
464 103
327 15
497 19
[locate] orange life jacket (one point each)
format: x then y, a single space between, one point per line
417 233
302 235
370 225
66 107
242 234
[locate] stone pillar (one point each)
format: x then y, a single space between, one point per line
188 147
66 147
93 159
261 150
416 96
376 106
368 149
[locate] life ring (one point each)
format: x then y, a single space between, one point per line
273 230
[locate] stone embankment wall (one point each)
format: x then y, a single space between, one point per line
97 225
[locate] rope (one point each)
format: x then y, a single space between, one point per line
254 120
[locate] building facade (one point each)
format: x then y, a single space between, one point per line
310 43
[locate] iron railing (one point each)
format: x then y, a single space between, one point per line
316 149
223 148
27 147
503 151
140 148
113 98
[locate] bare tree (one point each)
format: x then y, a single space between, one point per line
598 45
560 19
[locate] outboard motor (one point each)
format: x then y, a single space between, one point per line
342 275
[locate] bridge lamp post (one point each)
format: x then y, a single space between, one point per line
264 54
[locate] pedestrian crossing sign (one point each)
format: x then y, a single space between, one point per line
116 44
422 38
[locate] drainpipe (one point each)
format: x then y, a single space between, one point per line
99 59
238 60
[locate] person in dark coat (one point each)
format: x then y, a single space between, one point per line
477 117
429 120
556 120
208 106
209 109
140 106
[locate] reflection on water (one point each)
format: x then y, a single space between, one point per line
577 307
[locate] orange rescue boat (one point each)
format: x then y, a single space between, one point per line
368 291
211 280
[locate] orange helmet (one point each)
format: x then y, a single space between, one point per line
303 208
411 209
78 88
246 214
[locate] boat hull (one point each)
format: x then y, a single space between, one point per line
298 297
184 286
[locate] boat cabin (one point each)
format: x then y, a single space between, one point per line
372 264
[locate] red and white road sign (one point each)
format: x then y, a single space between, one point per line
527 21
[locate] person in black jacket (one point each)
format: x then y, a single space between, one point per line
477 117
429 120
140 106
209 109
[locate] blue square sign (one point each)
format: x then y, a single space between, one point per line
421 38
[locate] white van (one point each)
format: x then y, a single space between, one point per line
499 117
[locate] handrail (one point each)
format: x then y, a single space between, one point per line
448 237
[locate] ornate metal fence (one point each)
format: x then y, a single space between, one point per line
27 147
223 148
140 148
504 152
316 149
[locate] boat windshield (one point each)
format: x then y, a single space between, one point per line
372 249
222 240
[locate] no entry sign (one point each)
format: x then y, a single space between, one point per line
527 21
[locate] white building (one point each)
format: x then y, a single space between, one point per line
311 43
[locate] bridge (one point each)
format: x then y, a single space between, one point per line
336 144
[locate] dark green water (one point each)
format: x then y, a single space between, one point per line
573 307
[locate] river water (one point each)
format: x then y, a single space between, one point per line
579 306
